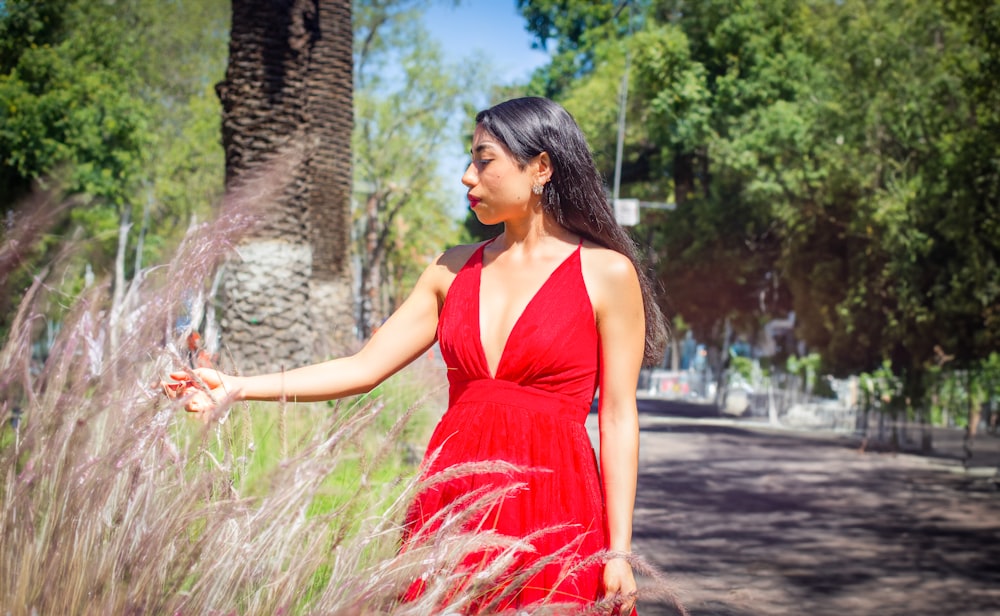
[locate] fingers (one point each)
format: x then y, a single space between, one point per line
175 390
627 604
620 586
200 377
172 390
176 387
208 377
624 602
624 608
196 388
200 402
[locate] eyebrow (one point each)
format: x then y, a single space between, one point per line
482 146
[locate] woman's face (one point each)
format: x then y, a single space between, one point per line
499 189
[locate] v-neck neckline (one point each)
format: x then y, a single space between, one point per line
494 373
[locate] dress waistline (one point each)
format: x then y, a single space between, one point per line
530 398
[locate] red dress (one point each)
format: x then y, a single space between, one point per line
531 413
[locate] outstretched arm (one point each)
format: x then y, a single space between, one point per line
404 336
617 301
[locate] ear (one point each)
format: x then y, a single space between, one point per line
543 168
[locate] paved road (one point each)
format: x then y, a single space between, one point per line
748 520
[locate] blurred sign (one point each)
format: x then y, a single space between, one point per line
627 212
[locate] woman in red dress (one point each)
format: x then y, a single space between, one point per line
530 324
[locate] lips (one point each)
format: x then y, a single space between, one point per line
473 202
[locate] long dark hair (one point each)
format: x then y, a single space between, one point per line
574 195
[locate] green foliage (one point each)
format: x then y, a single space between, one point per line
716 252
406 96
673 86
475 231
883 383
573 29
956 396
900 236
806 368
29 25
258 437
115 94
182 61
839 159
135 506
111 102
743 366
67 103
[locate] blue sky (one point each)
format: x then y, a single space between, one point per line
493 28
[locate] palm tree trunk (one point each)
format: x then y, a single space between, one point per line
266 322
331 122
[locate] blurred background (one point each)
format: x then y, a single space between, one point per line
814 184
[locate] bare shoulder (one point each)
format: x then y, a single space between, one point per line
455 257
611 281
442 271
606 267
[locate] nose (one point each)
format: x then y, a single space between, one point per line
471 177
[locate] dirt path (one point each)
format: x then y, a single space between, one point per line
747 520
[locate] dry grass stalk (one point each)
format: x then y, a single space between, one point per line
116 502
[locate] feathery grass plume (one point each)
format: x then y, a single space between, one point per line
25 228
661 588
83 464
116 501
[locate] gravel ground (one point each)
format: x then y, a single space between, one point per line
746 519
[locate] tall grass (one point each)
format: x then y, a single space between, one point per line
115 501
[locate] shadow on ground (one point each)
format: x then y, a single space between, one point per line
751 521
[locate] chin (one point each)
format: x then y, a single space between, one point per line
485 219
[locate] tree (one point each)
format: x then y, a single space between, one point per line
407 97
838 159
715 255
835 158
331 122
70 102
183 61
575 28
912 251
284 92
90 106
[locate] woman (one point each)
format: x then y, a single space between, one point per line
529 324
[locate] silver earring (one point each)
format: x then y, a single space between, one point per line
536 189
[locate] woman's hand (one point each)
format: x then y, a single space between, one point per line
202 388
619 581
